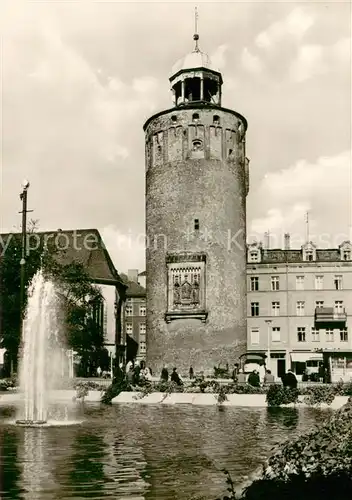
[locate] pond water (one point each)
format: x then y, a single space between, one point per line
137 452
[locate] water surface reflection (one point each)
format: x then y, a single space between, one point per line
143 452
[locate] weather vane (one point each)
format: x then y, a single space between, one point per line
196 36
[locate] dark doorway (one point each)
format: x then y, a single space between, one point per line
281 367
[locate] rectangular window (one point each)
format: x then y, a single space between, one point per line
301 334
142 328
343 335
275 334
254 283
196 224
299 282
275 308
129 328
254 336
254 308
319 281
319 303
254 256
275 283
128 310
142 347
142 310
338 282
315 334
300 306
329 335
338 306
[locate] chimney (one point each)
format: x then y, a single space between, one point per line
133 275
287 241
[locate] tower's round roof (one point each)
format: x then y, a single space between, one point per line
195 59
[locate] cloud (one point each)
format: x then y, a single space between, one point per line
285 196
313 60
218 58
309 62
294 26
250 62
68 126
127 249
341 51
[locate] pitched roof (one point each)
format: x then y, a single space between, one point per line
295 256
84 246
134 289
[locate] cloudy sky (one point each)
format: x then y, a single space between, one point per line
79 78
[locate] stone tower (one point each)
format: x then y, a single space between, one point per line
196 185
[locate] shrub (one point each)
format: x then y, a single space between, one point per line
316 465
222 397
278 395
81 391
168 387
245 389
346 389
143 390
90 385
319 394
8 384
118 385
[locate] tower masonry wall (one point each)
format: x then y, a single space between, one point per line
196 187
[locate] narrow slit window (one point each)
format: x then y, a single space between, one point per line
196 224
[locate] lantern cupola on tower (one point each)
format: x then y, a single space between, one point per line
194 80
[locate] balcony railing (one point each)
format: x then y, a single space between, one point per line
329 315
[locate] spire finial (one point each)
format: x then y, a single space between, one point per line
196 36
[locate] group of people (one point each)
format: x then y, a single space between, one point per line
138 373
263 376
174 377
258 377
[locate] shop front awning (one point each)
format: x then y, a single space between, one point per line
303 357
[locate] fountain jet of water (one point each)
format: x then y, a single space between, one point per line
41 363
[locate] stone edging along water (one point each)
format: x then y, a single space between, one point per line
201 399
197 399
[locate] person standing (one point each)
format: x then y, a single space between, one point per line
164 377
191 373
99 371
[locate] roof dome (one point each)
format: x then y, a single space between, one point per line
195 59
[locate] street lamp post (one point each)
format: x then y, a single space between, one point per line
23 198
268 362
